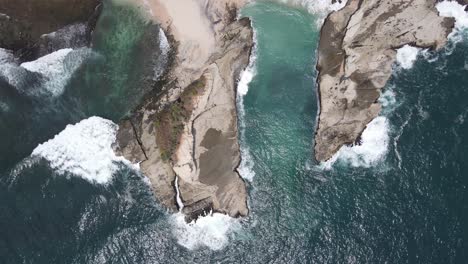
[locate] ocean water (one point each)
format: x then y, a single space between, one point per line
399 197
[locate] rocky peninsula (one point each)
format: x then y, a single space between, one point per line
185 136
358 46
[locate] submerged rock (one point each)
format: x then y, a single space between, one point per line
356 52
189 131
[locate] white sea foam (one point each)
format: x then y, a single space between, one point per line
160 61
84 150
319 7
212 231
459 34
9 68
374 139
178 198
397 139
13 74
407 55
430 56
455 10
387 99
6 56
57 67
5 16
163 42
373 147
245 168
246 77
50 64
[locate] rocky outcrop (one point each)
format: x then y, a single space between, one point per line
23 22
189 131
461 2
356 52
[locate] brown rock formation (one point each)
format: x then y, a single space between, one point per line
22 22
356 52
189 131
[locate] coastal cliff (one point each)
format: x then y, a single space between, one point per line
24 24
185 137
358 46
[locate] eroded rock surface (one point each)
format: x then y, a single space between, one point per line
189 130
356 52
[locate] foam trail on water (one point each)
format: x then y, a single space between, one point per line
212 231
406 56
160 61
10 70
84 150
7 56
319 7
163 42
245 168
397 138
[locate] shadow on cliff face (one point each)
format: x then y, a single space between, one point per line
121 66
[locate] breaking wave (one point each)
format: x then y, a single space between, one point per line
212 231
407 56
457 11
374 141
57 67
84 150
372 148
10 70
6 56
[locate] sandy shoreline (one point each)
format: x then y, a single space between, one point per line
185 21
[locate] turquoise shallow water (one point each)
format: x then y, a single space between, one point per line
409 207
